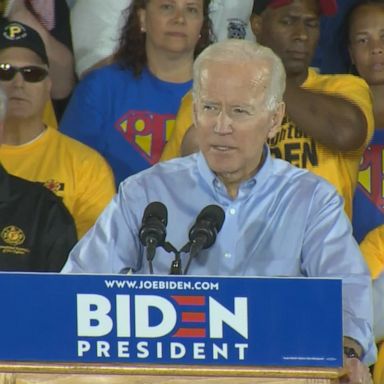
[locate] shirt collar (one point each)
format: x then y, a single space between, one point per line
259 178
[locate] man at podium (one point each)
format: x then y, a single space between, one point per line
231 209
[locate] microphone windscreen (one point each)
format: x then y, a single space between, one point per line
156 209
214 214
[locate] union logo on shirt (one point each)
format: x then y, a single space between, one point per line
371 175
54 186
12 235
147 132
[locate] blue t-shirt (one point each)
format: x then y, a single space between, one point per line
127 119
368 203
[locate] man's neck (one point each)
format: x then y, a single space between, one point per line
22 131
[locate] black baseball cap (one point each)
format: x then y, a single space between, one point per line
16 34
327 7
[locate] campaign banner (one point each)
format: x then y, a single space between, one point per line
171 320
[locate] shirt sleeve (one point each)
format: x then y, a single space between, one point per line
329 250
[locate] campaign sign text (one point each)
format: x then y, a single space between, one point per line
171 320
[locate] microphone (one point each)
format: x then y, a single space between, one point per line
203 233
153 229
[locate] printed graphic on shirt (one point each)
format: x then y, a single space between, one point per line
12 236
237 29
147 132
294 146
54 186
371 175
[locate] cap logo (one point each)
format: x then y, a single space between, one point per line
14 32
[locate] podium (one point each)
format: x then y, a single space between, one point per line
60 329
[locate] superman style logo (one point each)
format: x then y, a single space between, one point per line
371 175
147 132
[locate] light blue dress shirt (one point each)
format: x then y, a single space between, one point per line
285 221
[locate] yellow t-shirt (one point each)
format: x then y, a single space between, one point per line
372 248
49 117
339 168
73 171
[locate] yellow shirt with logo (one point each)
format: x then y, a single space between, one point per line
291 144
372 248
73 171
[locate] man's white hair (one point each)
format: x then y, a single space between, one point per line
3 104
241 51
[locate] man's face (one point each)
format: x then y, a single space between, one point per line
292 32
25 99
232 119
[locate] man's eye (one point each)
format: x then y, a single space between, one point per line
241 111
313 23
286 21
208 108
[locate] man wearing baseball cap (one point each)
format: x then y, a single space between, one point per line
35 151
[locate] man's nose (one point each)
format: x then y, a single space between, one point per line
223 124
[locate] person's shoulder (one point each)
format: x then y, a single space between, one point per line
166 170
74 148
108 73
32 191
300 177
316 79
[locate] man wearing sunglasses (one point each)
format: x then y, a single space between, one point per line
36 230
31 150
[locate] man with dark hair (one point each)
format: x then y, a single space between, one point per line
36 230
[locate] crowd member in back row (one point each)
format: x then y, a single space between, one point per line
328 118
126 110
366 44
31 150
36 230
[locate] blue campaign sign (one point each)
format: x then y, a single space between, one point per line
171 320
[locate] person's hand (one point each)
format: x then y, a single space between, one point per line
358 373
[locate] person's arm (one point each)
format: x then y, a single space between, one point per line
59 233
61 63
331 120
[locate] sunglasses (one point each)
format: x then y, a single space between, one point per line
30 73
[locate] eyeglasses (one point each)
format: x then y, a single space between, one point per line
30 73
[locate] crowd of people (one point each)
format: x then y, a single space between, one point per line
270 109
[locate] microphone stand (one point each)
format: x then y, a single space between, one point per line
176 268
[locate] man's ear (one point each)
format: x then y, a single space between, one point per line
277 119
256 25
